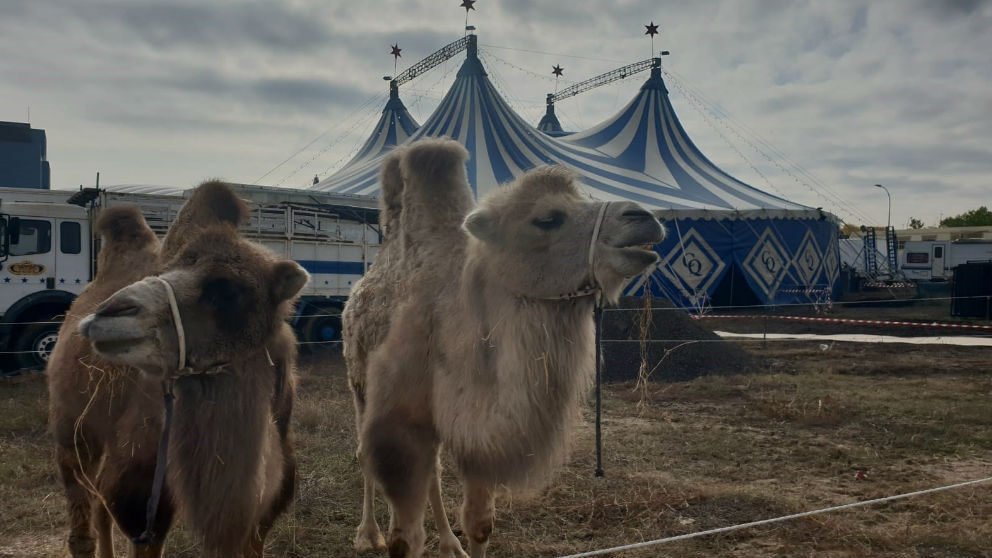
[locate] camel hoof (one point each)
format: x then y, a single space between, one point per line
452 550
367 542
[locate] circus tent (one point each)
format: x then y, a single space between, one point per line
394 127
728 242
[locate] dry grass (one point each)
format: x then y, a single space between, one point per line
679 458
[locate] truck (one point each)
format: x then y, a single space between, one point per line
48 254
935 260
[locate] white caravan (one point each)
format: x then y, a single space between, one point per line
935 260
48 254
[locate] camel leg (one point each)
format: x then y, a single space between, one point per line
256 540
367 536
127 493
104 533
402 458
478 515
79 502
449 546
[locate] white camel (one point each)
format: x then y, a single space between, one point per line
474 330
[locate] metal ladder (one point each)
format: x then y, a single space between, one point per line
871 262
892 249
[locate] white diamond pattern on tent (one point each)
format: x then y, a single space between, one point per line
767 262
808 260
831 267
692 265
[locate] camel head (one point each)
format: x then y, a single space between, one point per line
535 236
232 297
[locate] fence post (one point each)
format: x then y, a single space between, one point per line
598 317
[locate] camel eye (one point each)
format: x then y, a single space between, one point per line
554 220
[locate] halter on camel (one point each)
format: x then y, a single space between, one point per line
593 288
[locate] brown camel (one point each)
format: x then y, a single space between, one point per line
477 332
106 418
230 464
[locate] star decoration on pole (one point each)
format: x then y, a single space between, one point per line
557 71
396 55
467 4
652 30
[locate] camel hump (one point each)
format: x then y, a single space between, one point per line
436 195
211 203
130 247
215 202
435 158
391 201
124 225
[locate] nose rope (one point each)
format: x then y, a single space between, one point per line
177 319
595 237
148 536
593 288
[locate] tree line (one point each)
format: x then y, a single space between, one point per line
980 217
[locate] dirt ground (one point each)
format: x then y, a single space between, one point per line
818 425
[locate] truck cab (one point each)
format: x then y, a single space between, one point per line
45 261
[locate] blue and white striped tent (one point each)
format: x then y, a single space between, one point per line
729 243
394 127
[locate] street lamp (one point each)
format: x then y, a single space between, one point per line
888 222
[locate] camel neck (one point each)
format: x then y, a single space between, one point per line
516 352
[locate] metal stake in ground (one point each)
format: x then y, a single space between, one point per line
598 317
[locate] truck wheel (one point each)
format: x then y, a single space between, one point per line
323 331
34 345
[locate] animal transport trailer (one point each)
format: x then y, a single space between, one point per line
48 254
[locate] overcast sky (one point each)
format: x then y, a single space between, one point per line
856 93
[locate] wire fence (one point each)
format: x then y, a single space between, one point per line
811 305
703 313
738 527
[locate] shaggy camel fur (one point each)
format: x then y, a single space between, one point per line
480 336
106 418
231 466
366 322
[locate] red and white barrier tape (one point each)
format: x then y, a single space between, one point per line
849 321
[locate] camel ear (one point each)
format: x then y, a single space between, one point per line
288 278
481 225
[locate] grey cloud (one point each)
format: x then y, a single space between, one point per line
306 94
218 25
858 92
954 8
301 93
913 158
172 121
783 101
